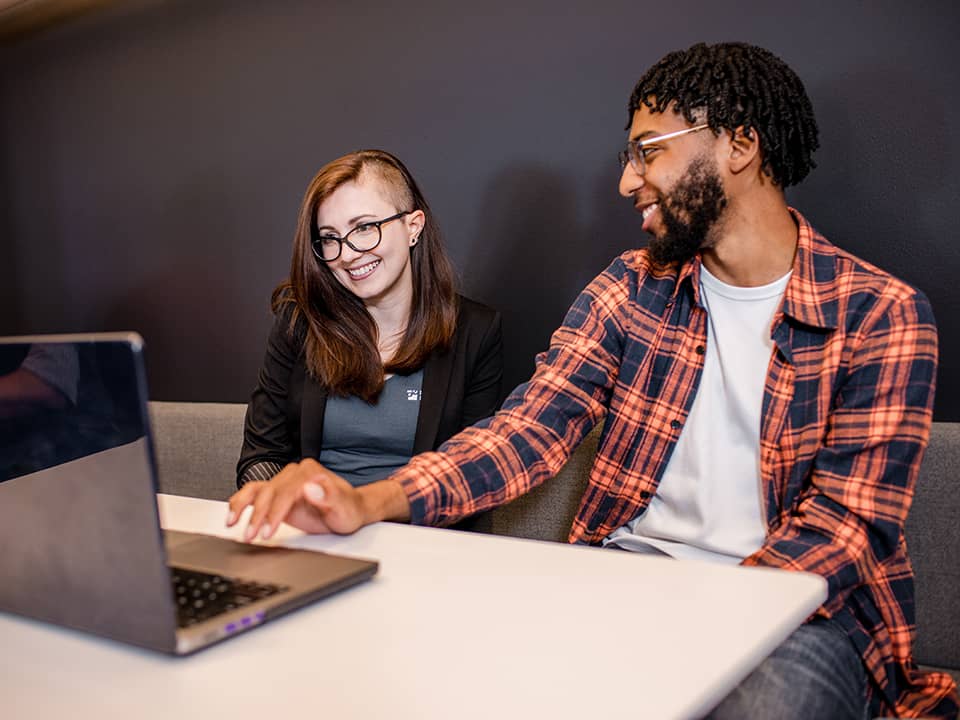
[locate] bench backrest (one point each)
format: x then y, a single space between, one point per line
197 447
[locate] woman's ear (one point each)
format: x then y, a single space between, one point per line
415 222
743 148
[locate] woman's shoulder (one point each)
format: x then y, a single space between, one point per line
289 326
477 323
473 311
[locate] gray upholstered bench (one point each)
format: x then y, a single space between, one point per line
198 445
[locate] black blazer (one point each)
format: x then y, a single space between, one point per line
284 421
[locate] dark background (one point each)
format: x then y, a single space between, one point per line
153 154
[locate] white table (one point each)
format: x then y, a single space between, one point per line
455 625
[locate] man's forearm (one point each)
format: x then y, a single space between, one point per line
384 500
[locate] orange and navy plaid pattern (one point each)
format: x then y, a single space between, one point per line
846 416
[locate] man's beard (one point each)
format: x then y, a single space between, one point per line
689 212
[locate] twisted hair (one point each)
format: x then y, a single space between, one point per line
738 85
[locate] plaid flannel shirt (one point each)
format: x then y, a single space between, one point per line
846 416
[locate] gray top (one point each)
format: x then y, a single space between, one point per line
363 443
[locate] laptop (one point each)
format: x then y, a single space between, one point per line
80 538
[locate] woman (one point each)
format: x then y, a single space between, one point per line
373 357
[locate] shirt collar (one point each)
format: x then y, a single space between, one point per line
811 293
689 272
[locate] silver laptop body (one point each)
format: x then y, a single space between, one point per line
80 538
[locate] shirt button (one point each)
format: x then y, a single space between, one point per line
675 424
700 349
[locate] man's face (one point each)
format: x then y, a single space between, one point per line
680 193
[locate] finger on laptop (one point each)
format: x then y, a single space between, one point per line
240 499
261 505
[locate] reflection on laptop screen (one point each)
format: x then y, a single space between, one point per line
63 401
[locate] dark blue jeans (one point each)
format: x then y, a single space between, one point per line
815 673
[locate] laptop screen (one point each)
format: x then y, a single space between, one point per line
78 516
64 399
79 527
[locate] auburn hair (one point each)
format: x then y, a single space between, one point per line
338 334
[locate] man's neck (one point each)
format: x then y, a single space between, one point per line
756 245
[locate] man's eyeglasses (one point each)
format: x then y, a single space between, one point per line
637 150
364 237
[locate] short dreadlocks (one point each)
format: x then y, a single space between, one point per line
738 85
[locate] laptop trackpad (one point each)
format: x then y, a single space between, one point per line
226 557
264 563
174 539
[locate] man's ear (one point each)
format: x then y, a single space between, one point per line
743 148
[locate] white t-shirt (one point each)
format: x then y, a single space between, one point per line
708 506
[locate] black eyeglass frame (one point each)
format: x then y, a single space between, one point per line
316 238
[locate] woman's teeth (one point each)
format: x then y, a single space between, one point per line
363 270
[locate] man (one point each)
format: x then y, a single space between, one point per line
767 396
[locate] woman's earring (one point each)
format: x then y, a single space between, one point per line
413 240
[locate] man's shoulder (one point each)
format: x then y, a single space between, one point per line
636 261
637 269
858 279
867 277
629 284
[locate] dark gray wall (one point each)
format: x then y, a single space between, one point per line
153 155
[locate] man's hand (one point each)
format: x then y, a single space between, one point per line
315 500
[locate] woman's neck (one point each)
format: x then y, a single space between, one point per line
391 318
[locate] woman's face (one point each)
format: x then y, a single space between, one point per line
381 276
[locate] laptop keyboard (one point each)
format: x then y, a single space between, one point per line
200 596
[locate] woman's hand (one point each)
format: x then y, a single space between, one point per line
315 500
305 495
